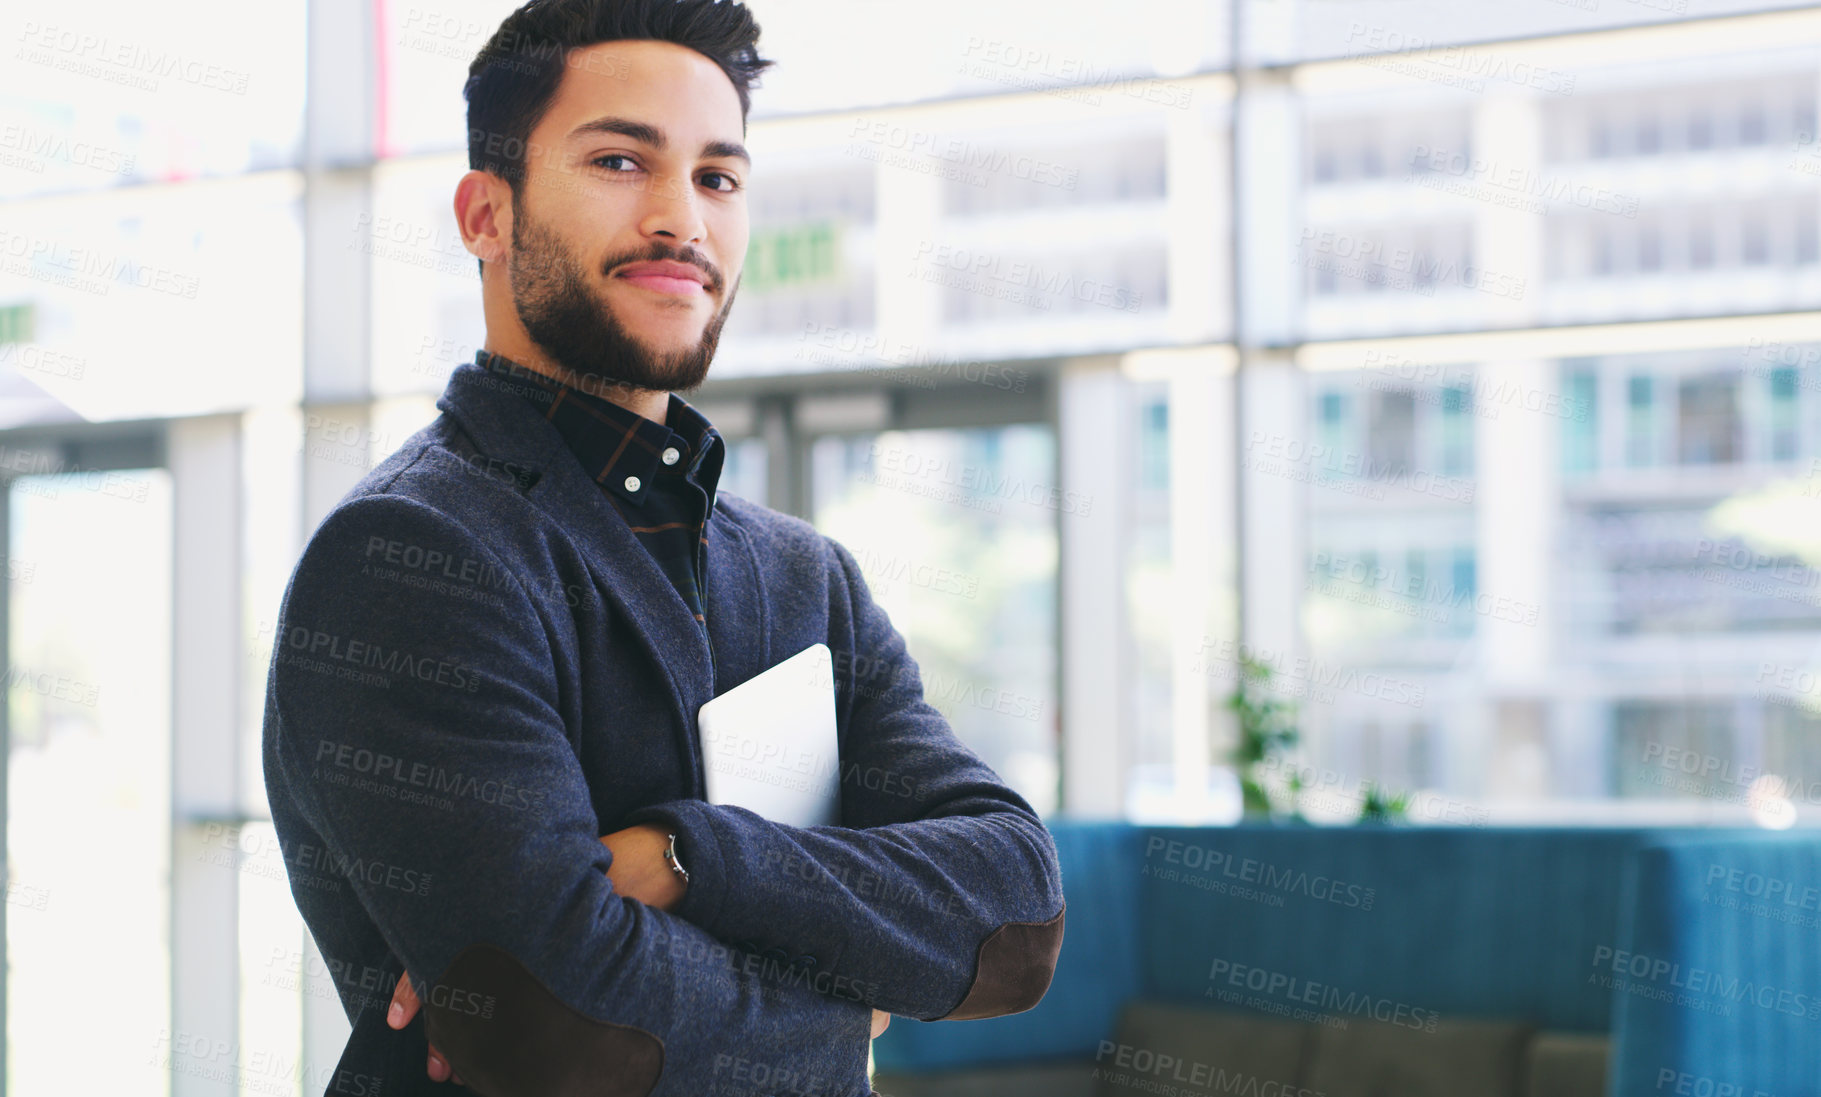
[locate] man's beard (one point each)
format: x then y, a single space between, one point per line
579 332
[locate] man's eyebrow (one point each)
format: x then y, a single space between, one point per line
648 134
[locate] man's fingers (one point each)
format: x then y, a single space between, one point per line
404 1007
404 1003
440 1070
880 1020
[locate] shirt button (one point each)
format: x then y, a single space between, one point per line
632 483
671 455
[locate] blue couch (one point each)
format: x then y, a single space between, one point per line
1695 952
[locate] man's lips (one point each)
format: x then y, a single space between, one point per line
665 284
671 278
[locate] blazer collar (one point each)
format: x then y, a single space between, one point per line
507 427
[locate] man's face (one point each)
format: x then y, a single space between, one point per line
599 201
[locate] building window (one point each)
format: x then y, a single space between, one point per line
1700 130
1391 432
1700 243
1754 242
1335 434
1154 444
1650 249
1645 732
1326 167
1601 144
1751 125
1708 412
1602 253
1640 422
1783 414
1650 136
1457 431
1805 115
1580 426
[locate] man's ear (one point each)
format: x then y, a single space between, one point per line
483 213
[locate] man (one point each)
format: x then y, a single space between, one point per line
480 743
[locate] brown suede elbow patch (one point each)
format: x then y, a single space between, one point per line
1013 969
508 1036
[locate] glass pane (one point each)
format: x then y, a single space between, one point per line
1317 29
426 287
115 92
426 51
1710 420
276 970
744 473
1149 605
1643 730
836 57
145 302
955 532
89 783
1580 439
1390 598
1689 596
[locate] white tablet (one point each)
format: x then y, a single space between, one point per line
768 744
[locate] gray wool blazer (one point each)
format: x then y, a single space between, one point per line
479 671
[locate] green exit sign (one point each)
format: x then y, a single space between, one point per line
800 255
16 323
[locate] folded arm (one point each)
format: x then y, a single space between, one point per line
938 896
537 976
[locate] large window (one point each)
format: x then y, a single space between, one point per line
955 532
88 827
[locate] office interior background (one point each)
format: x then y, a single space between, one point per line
1461 361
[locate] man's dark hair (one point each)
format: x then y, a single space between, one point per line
515 76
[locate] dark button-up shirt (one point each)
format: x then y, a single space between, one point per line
660 477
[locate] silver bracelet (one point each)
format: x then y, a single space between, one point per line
670 857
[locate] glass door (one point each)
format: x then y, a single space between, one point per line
87 979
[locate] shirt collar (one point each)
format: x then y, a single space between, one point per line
622 450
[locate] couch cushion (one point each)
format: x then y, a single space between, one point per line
1567 1064
1194 1049
1715 969
1381 1059
1067 1079
1465 921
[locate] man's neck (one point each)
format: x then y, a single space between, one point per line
653 404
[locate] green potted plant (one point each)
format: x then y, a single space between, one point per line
1267 731
1378 806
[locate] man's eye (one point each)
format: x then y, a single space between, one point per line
732 183
611 156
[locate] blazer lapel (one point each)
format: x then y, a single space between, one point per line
509 428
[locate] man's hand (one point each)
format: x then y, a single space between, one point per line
639 869
399 1014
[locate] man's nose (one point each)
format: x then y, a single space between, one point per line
671 209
